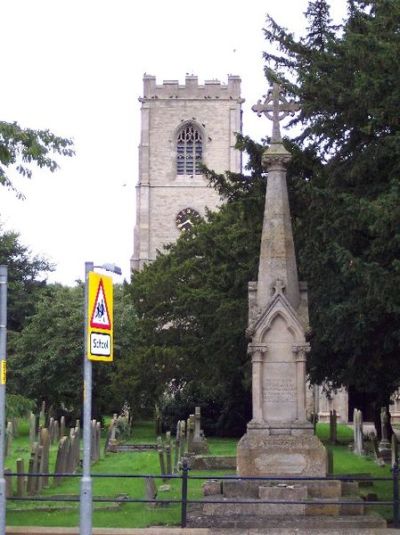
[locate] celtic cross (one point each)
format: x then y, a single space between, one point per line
275 107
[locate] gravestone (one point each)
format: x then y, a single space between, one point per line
32 428
61 460
56 432
177 446
20 478
395 450
168 453
33 469
358 447
62 426
51 430
332 426
190 433
44 439
182 443
160 451
279 440
8 439
151 490
199 443
384 444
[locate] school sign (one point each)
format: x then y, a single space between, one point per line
100 317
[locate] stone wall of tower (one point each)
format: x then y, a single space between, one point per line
215 108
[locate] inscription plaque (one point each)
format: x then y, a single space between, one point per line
279 390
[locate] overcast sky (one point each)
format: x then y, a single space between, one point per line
76 68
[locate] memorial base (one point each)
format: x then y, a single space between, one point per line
281 452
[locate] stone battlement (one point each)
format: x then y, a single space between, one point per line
191 89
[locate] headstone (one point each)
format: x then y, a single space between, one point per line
384 444
378 456
56 432
62 426
177 445
30 485
157 422
190 433
8 480
8 439
332 427
160 451
279 440
44 439
33 469
51 430
98 438
39 479
358 448
199 442
42 414
20 478
168 452
32 428
151 490
395 450
15 426
182 444
61 459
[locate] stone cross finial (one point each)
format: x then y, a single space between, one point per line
275 107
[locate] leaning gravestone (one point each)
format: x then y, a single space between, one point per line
61 460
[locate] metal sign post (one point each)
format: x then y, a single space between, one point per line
86 480
98 345
3 360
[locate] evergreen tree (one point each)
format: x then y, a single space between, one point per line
349 238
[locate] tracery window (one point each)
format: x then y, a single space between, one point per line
189 151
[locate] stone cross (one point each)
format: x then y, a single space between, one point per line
275 107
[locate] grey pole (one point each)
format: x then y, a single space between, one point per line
3 358
86 480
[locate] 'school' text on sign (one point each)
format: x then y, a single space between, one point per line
100 317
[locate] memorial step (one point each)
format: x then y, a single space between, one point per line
318 523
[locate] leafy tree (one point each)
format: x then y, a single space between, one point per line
347 80
46 363
20 147
26 277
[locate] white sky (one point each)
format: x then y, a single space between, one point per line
76 68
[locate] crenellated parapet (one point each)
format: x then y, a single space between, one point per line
191 89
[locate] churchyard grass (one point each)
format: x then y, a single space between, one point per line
142 515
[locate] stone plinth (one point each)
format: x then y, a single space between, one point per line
260 453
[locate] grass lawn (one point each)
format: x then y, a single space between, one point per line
146 462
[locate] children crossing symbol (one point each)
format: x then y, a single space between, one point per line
100 317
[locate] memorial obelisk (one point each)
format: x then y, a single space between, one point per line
279 440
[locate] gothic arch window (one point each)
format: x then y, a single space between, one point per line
189 150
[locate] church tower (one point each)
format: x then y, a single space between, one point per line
181 127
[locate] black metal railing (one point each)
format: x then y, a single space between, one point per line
185 478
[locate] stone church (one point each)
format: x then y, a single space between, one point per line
181 127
